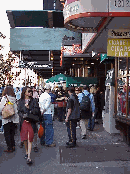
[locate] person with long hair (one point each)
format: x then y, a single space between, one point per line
9 124
26 105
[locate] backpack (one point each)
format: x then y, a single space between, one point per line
85 103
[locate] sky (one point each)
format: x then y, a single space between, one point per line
4 22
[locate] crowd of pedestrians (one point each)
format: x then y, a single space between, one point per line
73 106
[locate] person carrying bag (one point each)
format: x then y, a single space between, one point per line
10 117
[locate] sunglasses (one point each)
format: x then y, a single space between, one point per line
29 91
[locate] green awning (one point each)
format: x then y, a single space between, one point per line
73 81
57 78
86 80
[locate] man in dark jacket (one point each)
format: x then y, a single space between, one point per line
72 116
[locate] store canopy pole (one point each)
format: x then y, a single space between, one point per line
83 71
78 72
116 75
49 55
20 55
127 84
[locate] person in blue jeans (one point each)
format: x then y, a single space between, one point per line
91 121
47 123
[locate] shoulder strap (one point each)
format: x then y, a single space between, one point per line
7 98
83 94
86 95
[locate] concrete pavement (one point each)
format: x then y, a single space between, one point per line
47 160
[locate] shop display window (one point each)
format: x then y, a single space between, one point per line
123 87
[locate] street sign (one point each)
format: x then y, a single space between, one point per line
118 47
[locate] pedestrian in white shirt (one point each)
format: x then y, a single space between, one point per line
47 123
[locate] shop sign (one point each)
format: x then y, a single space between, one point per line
118 47
119 33
71 50
72 9
36 64
86 39
81 6
110 77
74 38
119 5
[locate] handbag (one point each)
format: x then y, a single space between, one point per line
8 110
40 131
33 118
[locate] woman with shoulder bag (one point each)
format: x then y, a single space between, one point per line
8 98
28 109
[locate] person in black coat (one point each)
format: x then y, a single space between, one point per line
28 106
98 104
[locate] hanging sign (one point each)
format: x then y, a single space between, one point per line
118 47
119 33
71 50
110 78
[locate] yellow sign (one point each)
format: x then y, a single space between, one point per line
118 47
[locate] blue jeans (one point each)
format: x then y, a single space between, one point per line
47 124
91 121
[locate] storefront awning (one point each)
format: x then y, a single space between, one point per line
35 18
73 81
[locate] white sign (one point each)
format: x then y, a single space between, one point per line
119 33
86 38
71 9
119 5
81 6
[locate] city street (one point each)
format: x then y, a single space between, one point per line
56 160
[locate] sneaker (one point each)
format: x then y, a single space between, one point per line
21 145
8 151
84 137
29 161
68 142
51 145
71 145
26 156
35 149
13 148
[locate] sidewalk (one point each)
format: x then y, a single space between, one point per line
48 160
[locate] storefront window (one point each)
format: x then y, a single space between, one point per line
123 87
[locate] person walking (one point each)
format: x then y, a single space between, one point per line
86 113
72 117
17 93
91 121
9 124
28 106
60 101
53 98
47 123
98 105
